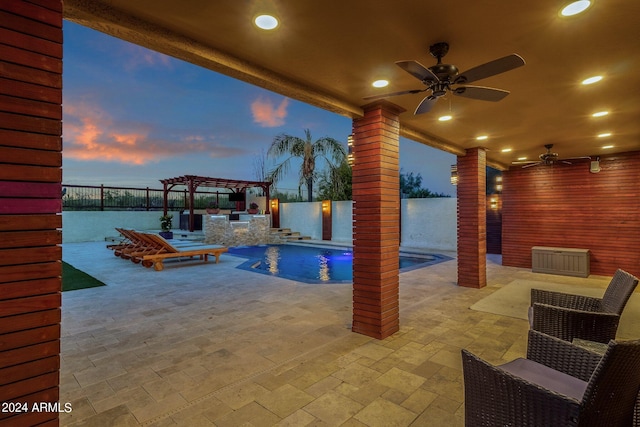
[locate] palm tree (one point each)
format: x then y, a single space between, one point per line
330 150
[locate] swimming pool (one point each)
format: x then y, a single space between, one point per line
311 264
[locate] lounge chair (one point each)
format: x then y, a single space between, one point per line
568 316
558 384
132 243
162 250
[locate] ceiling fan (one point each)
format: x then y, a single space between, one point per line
442 78
549 159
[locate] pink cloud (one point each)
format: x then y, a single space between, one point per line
265 114
90 134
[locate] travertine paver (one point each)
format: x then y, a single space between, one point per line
333 408
212 345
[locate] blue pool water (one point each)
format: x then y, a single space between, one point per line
314 264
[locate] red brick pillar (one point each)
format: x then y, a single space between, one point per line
30 204
472 219
376 214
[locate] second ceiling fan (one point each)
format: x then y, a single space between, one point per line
442 78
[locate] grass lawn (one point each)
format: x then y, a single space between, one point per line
73 279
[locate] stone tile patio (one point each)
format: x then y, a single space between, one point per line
211 345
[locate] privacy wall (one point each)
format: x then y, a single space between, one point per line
567 206
425 223
30 203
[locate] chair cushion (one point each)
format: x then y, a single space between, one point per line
546 377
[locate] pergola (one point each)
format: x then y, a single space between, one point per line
192 182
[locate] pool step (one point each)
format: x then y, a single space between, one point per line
285 234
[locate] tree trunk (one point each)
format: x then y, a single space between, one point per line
310 189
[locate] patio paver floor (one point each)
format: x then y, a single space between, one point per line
212 345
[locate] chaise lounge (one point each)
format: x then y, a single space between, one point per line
165 250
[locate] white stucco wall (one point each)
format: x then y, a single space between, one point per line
342 221
305 217
426 223
82 226
430 223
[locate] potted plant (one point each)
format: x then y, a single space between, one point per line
165 224
213 208
253 208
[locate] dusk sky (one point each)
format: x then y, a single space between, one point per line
134 116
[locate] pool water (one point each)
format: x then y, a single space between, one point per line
315 264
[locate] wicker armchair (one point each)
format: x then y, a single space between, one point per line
559 384
568 316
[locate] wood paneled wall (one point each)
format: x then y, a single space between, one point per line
30 204
567 206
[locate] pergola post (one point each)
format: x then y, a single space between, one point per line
472 223
192 189
376 212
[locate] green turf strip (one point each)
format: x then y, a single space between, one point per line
74 279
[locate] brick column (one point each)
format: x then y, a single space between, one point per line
376 214
30 207
472 222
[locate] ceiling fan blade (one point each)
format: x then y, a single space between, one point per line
481 93
492 68
532 164
418 71
426 105
578 158
387 95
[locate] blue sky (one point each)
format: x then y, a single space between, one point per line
132 117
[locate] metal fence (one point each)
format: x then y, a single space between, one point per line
101 198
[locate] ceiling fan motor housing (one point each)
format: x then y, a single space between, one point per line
444 71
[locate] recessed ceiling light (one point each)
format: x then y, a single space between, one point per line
600 114
575 8
482 137
445 118
606 147
266 22
591 80
380 83
506 150
521 158
604 135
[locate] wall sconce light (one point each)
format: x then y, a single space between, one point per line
499 183
350 150
454 174
493 203
326 206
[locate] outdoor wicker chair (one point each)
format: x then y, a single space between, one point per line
569 316
559 384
